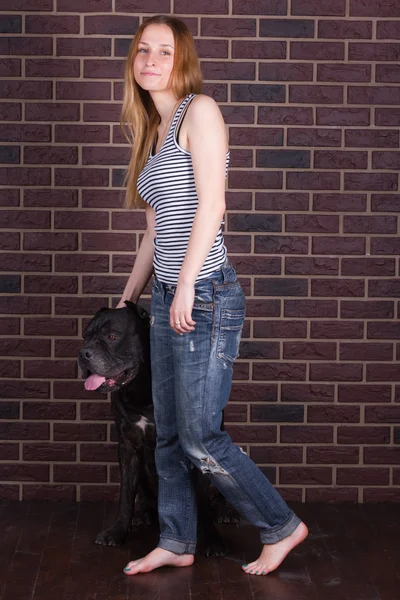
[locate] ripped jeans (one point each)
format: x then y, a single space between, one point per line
191 378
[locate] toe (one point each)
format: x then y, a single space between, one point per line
130 566
250 567
132 563
132 571
253 568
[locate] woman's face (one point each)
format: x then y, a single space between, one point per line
153 63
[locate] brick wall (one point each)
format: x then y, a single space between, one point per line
310 92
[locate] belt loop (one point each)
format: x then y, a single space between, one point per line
224 269
228 271
164 292
168 287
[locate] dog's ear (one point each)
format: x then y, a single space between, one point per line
139 310
130 304
102 308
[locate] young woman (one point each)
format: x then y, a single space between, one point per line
178 168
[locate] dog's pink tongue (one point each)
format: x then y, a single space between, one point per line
94 381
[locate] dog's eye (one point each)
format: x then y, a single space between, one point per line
112 337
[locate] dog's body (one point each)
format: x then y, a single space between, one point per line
116 358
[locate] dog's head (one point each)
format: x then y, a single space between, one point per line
115 346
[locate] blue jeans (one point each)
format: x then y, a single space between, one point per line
192 378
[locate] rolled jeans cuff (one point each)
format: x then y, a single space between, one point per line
271 537
176 546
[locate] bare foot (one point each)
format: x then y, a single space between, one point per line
273 554
158 558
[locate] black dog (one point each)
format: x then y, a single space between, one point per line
116 358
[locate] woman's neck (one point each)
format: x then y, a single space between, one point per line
165 105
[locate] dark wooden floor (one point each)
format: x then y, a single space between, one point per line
47 553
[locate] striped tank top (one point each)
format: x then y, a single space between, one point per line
167 184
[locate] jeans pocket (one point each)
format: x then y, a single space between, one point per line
230 331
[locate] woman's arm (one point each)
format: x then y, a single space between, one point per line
143 267
208 146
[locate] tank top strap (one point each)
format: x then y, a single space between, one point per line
172 127
181 110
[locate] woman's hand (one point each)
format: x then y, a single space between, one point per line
180 314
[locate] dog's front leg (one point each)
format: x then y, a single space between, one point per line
129 471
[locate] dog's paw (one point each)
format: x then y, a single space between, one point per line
225 514
112 537
214 547
228 516
143 518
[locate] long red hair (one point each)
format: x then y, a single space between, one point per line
139 118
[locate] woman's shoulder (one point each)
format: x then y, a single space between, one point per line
203 107
204 102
